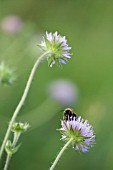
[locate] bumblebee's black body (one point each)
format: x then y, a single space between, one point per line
69 114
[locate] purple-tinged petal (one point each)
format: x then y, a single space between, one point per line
61 61
49 36
84 148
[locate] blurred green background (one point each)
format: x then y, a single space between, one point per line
88 26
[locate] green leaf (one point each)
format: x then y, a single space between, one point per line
14 150
10 149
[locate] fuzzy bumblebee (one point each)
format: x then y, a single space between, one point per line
69 114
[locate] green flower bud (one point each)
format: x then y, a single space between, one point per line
20 127
7 76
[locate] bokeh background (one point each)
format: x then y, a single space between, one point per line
86 81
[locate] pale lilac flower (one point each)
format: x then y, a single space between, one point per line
11 24
57 48
63 91
80 131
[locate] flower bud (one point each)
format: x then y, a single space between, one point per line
7 76
20 127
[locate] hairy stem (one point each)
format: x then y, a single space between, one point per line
7 161
21 102
60 154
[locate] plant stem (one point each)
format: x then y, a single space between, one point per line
7 161
60 154
21 102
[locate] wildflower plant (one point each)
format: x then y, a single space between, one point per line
76 132
55 50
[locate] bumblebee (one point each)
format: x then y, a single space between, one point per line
69 114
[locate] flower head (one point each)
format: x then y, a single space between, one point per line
6 74
80 131
57 48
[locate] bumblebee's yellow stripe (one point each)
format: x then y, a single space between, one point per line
69 110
